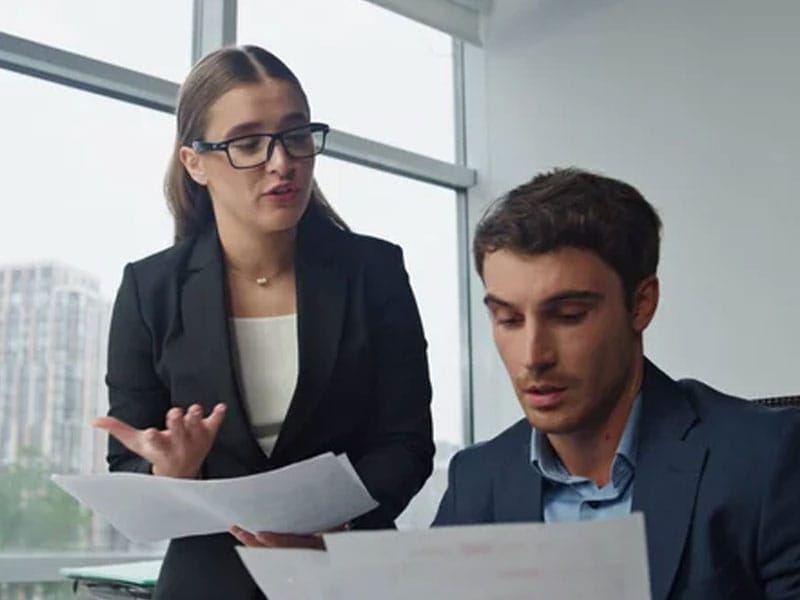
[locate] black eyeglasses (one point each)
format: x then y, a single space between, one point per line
255 149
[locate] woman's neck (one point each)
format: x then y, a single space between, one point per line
258 254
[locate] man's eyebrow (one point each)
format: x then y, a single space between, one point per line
491 299
572 296
565 296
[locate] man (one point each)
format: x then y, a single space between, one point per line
568 262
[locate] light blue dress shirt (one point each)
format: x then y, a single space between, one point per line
569 498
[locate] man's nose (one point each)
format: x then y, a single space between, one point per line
540 353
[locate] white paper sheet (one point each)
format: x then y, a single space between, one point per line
292 573
600 560
310 496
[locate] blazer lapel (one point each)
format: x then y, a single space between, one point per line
668 470
321 300
517 488
207 344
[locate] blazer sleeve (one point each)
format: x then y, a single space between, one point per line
397 443
468 498
447 514
779 527
135 393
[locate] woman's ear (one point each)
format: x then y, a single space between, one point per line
645 302
193 164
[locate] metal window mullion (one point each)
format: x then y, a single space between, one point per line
74 70
391 159
213 26
463 240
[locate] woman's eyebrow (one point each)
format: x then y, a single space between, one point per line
246 127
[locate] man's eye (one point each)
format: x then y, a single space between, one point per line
571 317
507 321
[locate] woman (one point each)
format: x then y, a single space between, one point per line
268 333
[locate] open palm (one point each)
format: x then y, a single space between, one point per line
177 451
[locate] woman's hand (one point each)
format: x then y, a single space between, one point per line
177 451
266 539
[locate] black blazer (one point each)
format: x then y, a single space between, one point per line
716 477
363 385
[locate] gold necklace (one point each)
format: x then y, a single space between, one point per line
260 281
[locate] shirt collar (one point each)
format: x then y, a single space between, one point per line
545 459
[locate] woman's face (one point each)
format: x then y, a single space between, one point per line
268 198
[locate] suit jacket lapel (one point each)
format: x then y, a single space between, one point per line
668 470
517 487
207 343
321 300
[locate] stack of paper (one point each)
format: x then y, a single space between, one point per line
307 497
600 560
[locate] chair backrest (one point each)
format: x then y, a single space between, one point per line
777 401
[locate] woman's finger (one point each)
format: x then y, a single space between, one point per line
128 436
156 441
245 537
213 421
286 540
175 425
192 419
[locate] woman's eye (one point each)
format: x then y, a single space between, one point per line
248 144
297 140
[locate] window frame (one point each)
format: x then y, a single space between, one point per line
214 25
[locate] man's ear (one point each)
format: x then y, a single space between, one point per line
645 302
193 165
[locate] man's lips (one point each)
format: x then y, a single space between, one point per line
542 396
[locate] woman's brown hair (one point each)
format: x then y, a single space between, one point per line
214 75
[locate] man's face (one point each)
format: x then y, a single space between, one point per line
567 338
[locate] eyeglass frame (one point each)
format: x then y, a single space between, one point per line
202 146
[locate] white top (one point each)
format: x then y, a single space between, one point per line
267 357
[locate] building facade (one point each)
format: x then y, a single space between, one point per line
53 332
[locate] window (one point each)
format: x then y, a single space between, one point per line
83 185
365 70
147 35
83 192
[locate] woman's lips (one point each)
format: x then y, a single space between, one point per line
281 195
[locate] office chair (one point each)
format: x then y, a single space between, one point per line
779 401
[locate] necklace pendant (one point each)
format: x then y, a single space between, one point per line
262 281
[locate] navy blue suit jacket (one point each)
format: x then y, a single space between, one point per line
717 478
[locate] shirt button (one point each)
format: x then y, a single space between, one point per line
594 504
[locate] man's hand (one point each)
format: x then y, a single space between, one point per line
177 451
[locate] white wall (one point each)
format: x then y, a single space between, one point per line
694 102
